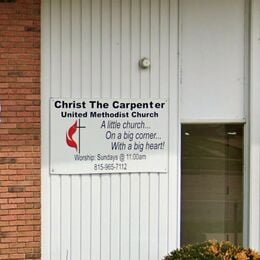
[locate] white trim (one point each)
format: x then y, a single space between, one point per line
179 85
246 148
212 121
254 227
45 83
174 164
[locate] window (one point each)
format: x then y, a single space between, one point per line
212 183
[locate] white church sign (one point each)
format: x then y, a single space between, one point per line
108 136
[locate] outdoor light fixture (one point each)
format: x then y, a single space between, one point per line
144 63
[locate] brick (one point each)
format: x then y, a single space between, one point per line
33 188
8 206
4 223
15 256
20 129
8 217
3 212
32 222
8 195
8 240
17 167
16 200
25 206
15 189
33 256
3 190
9 228
7 172
25 228
33 200
17 211
25 239
9 160
3 201
17 245
8 183
4 245
17 223
16 177
25 194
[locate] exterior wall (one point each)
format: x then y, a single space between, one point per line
91 49
20 129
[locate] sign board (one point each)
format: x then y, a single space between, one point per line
108 136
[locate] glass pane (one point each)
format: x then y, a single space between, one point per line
212 183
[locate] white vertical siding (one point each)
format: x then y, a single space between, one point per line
91 48
174 126
164 81
55 85
126 93
212 37
86 181
106 93
135 93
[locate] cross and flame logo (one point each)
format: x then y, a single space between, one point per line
71 142
69 136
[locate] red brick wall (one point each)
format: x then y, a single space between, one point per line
20 129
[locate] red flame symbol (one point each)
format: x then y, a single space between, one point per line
69 136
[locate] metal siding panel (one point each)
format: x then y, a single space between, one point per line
86 77
95 49
125 217
55 217
164 87
65 59
155 91
86 217
212 60
135 93
95 217
66 80
106 93
174 177
115 217
145 93
55 83
76 63
86 37
96 93
116 93
105 216
126 93
65 217
134 217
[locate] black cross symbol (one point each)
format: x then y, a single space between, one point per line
79 127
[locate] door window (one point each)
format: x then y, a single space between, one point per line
212 183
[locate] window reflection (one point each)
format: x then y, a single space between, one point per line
212 183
